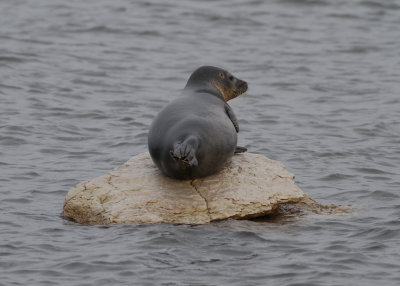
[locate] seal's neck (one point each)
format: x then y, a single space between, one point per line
204 88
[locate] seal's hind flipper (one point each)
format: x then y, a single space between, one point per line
185 152
240 150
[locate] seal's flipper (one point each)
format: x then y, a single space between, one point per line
232 116
185 152
240 150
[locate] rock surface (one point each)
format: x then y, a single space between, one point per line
250 186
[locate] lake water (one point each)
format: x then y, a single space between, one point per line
81 81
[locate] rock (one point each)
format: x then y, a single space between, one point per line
308 205
250 186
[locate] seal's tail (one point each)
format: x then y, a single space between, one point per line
185 152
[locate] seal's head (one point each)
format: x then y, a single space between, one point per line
217 81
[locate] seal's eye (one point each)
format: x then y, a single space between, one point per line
231 78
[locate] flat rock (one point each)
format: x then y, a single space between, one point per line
249 186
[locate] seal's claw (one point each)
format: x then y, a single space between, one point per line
239 149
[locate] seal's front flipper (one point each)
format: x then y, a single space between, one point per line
232 116
185 152
240 150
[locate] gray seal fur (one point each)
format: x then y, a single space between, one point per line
195 135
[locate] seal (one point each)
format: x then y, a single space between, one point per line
195 135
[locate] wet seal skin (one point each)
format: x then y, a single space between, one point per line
196 135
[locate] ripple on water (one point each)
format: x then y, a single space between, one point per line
336 177
12 141
372 171
11 59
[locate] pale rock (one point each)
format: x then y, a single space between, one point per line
249 186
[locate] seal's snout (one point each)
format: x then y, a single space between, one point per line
242 86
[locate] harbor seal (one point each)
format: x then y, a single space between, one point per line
195 135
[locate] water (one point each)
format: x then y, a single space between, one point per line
80 82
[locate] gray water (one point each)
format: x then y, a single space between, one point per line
80 82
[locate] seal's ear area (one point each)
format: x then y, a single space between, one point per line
225 90
221 75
